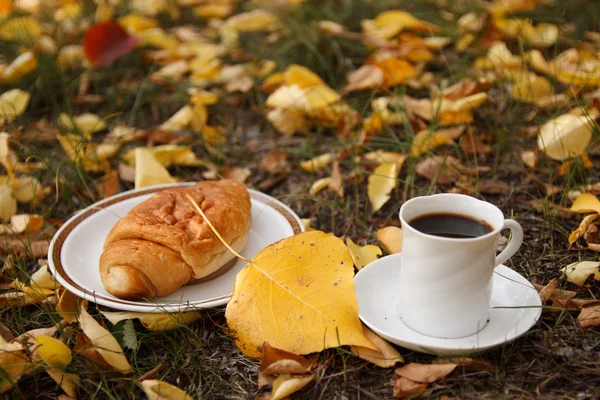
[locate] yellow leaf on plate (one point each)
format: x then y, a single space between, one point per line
586 203
301 76
19 67
21 29
385 356
362 255
104 342
381 183
579 272
317 163
159 390
52 351
13 103
426 140
297 295
157 322
86 124
390 238
8 204
148 171
287 384
565 136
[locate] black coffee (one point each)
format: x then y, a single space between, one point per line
450 225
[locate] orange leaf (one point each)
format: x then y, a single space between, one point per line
404 387
589 316
395 71
279 362
106 42
426 373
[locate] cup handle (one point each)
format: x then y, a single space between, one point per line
515 241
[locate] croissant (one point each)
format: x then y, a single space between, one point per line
163 243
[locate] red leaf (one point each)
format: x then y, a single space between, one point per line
106 42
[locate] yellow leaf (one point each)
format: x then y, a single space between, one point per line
436 42
104 342
529 158
366 77
288 97
13 103
28 190
362 255
586 203
298 295
320 96
541 35
68 306
26 222
381 183
86 124
42 278
21 29
68 382
396 71
37 293
426 140
317 163
8 204
287 384
52 351
256 20
288 122
19 67
319 185
134 23
81 152
159 390
582 228
389 23
156 37
390 238
301 76
7 157
167 155
531 88
6 7
148 171
157 322
381 156
578 272
180 120
219 11
13 363
500 8
565 136
385 356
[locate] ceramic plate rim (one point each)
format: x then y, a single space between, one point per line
57 268
439 349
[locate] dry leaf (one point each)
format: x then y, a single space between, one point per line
26 222
13 363
157 322
362 255
19 67
106 42
540 35
582 228
426 373
68 382
589 317
25 29
297 295
493 186
381 183
288 122
317 163
390 23
426 139
579 272
319 185
406 388
395 71
109 185
12 104
586 203
287 384
42 278
442 169
301 76
159 390
86 124
148 171
366 77
529 158
28 190
385 356
85 348
336 184
278 362
565 136
390 238
275 162
104 342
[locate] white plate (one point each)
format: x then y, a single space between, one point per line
515 307
75 251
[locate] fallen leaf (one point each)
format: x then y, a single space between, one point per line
21 66
589 317
582 228
317 163
336 184
42 278
319 185
288 122
404 387
109 185
84 348
426 139
565 136
287 384
579 272
390 238
68 382
159 390
235 173
279 297
426 373
24 29
8 204
586 203
440 168
278 362
13 363
366 77
135 23
529 158
385 356
86 124
68 306
148 171
106 42
390 23
103 342
52 351
395 71
157 322
540 35
493 186
275 162
12 104
28 190
301 76
381 183
256 20
362 255
26 222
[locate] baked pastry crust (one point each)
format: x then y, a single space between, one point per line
163 243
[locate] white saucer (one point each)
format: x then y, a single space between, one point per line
515 307
75 250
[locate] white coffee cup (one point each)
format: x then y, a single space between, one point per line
446 283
